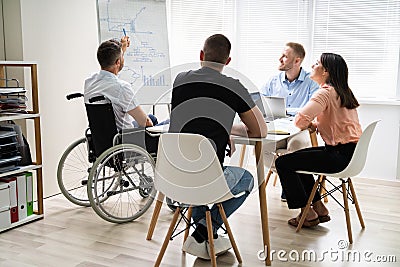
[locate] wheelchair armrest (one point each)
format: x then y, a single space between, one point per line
126 133
139 137
153 134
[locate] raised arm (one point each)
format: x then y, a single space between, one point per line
125 43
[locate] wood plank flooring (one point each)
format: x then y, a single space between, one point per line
75 236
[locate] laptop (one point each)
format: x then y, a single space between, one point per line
271 107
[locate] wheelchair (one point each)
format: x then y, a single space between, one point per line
108 170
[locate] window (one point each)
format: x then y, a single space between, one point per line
263 29
365 33
192 21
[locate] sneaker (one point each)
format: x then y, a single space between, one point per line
221 245
194 248
283 197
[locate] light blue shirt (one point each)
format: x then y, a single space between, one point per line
297 93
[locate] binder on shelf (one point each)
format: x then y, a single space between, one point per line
4 195
29 193
21 197
12 182
5 220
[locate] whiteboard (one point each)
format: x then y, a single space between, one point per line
147 64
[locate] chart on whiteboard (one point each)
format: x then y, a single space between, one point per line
147 59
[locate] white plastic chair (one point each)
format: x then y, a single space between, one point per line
355 166
188 171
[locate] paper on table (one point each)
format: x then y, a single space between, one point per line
158 128
278 132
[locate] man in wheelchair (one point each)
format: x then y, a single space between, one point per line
108 88
120 184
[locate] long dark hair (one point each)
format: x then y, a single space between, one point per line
338 77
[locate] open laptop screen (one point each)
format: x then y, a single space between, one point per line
257 99
275 107
271 107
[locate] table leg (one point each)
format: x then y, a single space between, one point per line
263 202
242 154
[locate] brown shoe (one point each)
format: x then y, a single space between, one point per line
307 223
324 218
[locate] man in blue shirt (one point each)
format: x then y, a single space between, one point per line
294 84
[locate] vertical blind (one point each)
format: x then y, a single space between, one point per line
263 29
365 33
192 21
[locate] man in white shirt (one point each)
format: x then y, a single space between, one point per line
127 110
294 84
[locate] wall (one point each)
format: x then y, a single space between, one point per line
61 36
2 55
383 160
12 46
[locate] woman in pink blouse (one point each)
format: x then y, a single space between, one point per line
332 111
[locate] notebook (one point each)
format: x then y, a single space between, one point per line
271 107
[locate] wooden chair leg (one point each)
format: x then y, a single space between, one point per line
189 217
307 208
353 193
275 179
228 229
322 189
211 239
268 176
346 211
242 154
154 218
314 143
167 237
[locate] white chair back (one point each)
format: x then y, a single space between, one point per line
188 170
359 157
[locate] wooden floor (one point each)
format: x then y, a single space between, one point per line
75 236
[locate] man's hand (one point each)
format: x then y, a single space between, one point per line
125 43
149 123
232 147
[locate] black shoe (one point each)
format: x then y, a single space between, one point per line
283 197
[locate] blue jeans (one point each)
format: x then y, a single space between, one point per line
239 181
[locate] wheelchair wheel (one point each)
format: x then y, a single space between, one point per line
121 183
73 171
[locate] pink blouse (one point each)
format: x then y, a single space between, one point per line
336 124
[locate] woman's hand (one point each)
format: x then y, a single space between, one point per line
311 127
